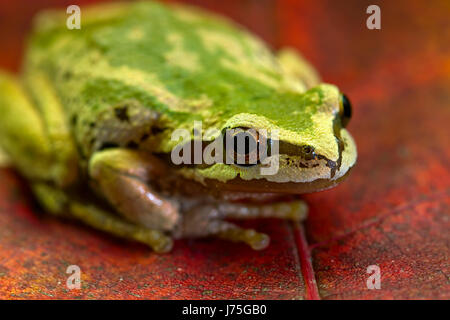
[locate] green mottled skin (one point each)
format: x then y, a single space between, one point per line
122 54
109 42
91 119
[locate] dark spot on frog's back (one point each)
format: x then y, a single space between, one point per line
154 130
67 75
122 113
144 137
74 120
108 145
132 145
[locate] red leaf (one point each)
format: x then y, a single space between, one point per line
392 212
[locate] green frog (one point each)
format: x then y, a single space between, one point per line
90 124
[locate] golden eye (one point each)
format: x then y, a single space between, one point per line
345 110
245 146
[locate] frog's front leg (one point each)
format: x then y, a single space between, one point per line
207 220
124 178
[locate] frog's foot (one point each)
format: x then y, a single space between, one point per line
294 210
57 202
100 219
202 223
207 220
231 232
123 177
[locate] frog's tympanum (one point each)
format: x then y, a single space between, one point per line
90 123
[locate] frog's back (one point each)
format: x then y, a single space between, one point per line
179 62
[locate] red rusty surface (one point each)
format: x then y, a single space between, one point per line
36 250
392 212
394 209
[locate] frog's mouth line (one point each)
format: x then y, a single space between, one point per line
263 186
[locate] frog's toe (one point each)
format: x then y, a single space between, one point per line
293 210
110 223
206 221
157 240
254 239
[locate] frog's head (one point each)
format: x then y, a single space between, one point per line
309 148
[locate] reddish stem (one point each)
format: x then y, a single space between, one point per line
312 291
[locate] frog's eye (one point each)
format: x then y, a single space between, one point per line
244 146
345 110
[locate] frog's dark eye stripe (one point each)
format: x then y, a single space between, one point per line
345 110
308 152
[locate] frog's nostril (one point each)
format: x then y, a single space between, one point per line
346 110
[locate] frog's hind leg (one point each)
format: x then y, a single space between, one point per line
58 202
36 137
100 219
34 133
22 133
